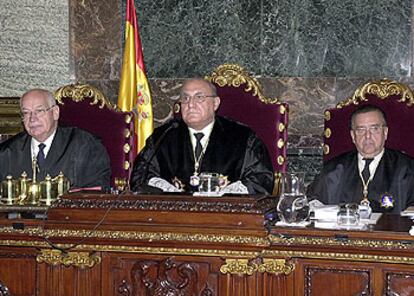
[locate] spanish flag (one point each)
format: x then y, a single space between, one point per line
134 93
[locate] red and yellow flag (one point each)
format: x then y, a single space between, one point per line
134 94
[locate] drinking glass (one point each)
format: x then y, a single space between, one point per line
348 214
293 206
209 183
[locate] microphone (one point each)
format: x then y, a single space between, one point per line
143 187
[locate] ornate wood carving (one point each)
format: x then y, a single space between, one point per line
124 288
165 277
235 75
247 267
169 205
78 92
341 281
11 122
381 88
4 291
78 259
399 283
326 241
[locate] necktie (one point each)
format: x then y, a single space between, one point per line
198 147
41 155
365 172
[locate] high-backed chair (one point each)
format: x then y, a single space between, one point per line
242 100
394 98
86 107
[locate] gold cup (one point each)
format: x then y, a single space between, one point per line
33 194
63 184
121 184
48 191
23 187
9 191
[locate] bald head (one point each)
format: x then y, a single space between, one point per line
40 113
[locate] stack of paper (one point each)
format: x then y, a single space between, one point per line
409 212
326 213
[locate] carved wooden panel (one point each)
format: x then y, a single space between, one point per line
10 121
70 280
17 267
399 283
262 284
4 290
131 275
337 279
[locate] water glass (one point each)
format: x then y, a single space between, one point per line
293 206
348 214
209 183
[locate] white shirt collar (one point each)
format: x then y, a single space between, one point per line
372 166
48 142
206 131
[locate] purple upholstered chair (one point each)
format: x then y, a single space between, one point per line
86 107
394 98
242 100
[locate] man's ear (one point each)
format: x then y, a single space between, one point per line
216 103
56 112
352 136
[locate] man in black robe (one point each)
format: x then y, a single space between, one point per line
384 175
76 153
174 154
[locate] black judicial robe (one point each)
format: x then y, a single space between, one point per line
233 150
78 154
339 181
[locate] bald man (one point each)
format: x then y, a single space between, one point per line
78 154
179 151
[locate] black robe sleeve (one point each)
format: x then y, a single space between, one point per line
257 173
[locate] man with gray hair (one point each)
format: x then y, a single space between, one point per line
384 177
76 153
180 151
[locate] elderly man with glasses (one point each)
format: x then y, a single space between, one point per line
178 152
371 173
77 154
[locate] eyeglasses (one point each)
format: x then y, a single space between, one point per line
38 113
373 129
198 98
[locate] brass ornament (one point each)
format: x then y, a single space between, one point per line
238 266
245 267
235 75
327 241
341 256
275 266
127 148
381 88
280 143
282 109
138 235
78 92
325 149
76 259
127 133
280 160
128 118
281 127
328 133
327 115
126 165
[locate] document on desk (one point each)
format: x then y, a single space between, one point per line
408 212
